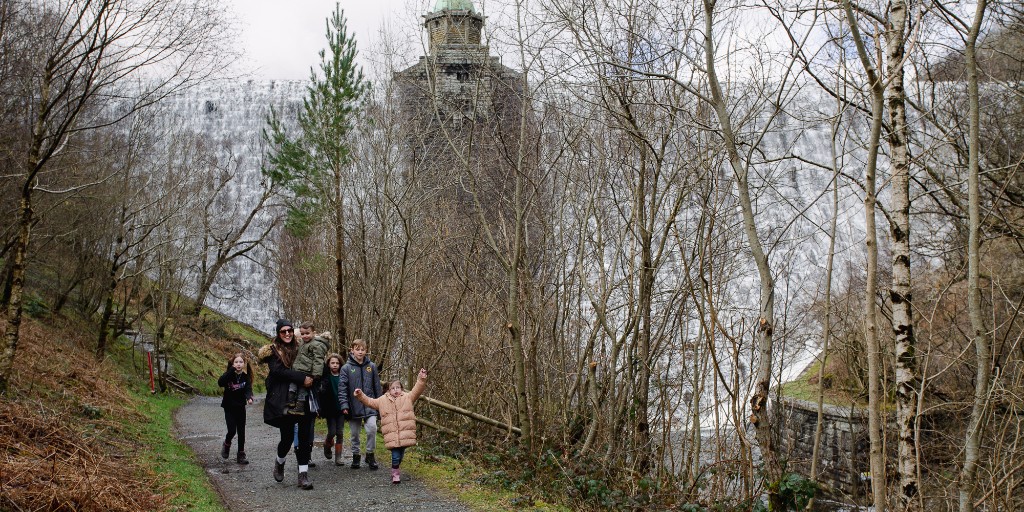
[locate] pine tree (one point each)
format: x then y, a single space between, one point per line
311 165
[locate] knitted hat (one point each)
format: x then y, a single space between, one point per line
282 323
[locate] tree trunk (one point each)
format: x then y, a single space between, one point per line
876 454
17 281
339 258
766 435
643 332
906 372
827 328
5 296
982 347
26 220
65 295
643 391
108 313
871 344
204 287
515 266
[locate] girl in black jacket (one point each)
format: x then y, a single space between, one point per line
237 385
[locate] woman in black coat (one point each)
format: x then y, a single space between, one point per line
279 356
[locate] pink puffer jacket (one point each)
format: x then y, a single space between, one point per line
397 419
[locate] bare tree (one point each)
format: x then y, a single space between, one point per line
150 200
900 297
979 331
382 230
230 231
872 345
826 333
82 51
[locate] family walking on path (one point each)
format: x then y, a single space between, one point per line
250 488
298 391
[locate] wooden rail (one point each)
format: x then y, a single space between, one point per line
439 428
470 414
178 384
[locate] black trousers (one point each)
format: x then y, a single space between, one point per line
234 417
305 423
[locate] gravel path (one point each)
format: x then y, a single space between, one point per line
200 424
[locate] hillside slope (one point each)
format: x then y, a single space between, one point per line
82 434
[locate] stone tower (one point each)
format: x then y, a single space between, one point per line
460 105
468 147
453 22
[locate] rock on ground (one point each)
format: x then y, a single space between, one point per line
200 424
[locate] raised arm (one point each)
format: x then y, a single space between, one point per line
421 384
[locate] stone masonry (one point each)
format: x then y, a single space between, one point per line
843 463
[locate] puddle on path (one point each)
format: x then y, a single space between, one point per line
201 436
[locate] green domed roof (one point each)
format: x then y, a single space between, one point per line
454 5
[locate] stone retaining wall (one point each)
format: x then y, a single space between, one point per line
843 462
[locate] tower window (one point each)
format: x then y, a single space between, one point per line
462 76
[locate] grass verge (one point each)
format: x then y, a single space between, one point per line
806 387
463 480
187 484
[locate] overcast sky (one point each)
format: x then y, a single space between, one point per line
282 39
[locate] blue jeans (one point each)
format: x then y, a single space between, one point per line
312 428
397 454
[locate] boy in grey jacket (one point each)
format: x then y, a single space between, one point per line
360 373
309 360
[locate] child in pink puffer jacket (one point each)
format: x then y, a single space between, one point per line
397 419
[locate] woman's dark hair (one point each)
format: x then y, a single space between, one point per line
285 351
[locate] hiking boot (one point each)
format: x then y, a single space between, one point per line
304 481
225 450
355 461
327 449
396 477
337 455
240 458
279 471
371 461
297 409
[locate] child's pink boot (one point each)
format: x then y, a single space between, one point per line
396 478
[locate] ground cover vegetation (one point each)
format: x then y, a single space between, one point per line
85 435
616 252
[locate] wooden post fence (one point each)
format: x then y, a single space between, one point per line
470 414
